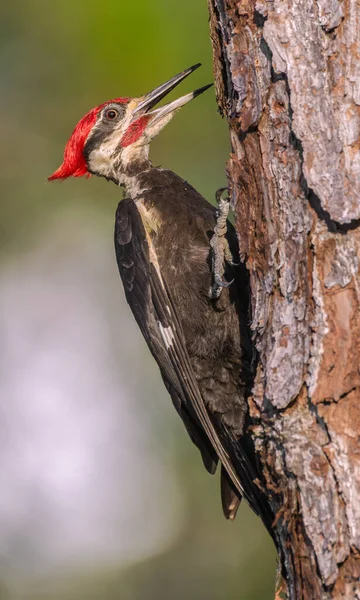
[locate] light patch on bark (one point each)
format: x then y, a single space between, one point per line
322 509
343 454
343 264
323 73
288 353
319 327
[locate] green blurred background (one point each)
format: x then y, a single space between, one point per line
103 496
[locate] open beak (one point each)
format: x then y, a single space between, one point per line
154 97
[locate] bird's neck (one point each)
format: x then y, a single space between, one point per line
131 178
131 166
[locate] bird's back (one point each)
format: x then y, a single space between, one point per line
216 332
178 224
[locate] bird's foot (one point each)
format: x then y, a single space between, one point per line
221 253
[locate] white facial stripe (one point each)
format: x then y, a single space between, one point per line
100 159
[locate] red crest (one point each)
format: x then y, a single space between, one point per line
74 164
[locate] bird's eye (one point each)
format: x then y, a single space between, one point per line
111 114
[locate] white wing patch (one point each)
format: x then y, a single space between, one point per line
167 335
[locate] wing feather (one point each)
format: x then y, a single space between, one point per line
152 306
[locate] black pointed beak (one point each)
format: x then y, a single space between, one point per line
156 95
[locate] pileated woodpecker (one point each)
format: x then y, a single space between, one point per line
172 253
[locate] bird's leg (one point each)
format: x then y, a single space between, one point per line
221 253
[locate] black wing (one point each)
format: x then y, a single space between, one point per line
152 306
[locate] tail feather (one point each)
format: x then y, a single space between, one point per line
230 498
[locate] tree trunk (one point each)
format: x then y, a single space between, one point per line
288 81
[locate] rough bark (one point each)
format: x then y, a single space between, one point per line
288 81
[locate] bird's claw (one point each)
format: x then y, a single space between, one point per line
221 253
222 283
218 285
219 193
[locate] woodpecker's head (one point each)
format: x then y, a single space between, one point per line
110 138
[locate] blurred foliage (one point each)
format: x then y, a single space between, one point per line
58 59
